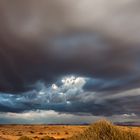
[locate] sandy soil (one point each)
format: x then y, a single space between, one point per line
13 132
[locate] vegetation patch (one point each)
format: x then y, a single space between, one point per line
104 130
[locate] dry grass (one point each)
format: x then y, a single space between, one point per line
44 138
24 138
104 130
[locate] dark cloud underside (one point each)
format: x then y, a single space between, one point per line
46 40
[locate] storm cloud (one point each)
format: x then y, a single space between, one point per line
68 96
97 42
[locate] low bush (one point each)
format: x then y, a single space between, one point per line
47 138
24 138
104 130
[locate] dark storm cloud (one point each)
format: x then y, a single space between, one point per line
112 85
45 41
40 42
71 98
108 107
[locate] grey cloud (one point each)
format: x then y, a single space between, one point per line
112 85
46 40
52 117
43 117
70 97
40 43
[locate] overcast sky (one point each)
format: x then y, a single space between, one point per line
69 61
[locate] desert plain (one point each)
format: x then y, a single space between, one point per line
14 132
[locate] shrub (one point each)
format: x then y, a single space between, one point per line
104 130
47 138
24 138
40 133
32 132
66 133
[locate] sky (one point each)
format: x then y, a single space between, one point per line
69 62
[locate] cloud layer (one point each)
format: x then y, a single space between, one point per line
97 42
52 117
68 96
40 43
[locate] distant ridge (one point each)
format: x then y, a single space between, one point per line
128 123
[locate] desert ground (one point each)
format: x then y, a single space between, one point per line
14 132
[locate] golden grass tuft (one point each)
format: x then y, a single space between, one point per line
105 130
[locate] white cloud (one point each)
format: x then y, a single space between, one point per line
54 86
53 117
73 81
50 116
129 115
125 117
70 87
